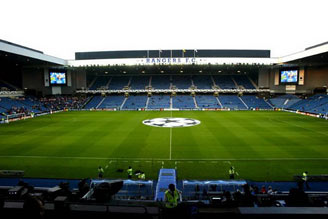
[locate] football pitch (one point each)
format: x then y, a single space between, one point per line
261 145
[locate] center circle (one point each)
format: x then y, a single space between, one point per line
171 122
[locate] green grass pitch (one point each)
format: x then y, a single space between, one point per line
261 145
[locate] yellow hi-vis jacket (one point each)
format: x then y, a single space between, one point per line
141 176
171 201
130 171
304 177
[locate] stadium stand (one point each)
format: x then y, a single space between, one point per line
111 102
224 81
34 104
231 102
5 86
160 82
315 104
94 102
62 102
207 101
159 102
181 82
255 102
183 102
202 82
100 83
243 80
28 104
12 106
118 83
166 81
284 101
135 102
139 82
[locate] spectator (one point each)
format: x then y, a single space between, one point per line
83 187
33 207
100 172
305 179
130 172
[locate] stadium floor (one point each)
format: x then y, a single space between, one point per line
261 145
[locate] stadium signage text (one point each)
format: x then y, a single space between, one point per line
171 122
170 60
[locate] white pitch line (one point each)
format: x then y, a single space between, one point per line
162 159
170 143
171 140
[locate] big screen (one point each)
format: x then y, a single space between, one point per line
57 78
289 76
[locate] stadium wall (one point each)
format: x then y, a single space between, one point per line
314 77
36 79
264 78
11 73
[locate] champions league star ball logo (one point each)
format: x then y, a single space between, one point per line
171 122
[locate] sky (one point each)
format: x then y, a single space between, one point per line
62 27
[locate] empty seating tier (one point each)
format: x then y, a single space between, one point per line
135 102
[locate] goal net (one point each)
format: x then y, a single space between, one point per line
14 117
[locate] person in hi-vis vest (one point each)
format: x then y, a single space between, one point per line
172 197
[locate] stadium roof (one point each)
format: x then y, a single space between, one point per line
26 55
315 54
199 53
10 52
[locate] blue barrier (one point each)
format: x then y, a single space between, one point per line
165 178
45 183
131 188
193 187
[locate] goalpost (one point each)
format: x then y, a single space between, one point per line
14 117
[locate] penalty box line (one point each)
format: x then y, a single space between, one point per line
165 159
